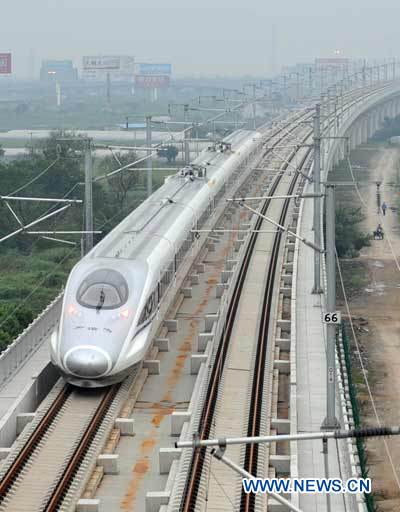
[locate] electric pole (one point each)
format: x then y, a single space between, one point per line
186 135
149 161
317 200
88 196
330 318
108 88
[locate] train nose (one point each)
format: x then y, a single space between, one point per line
87 361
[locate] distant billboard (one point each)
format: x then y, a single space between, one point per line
154 69
5 63
119 67
60 70
107 63
152 81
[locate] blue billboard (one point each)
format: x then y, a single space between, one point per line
154 69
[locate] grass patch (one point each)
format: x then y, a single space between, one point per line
355 278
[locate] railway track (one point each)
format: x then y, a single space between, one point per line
38 478
207 418
208 413
247 501
54 449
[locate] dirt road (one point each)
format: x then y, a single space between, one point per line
379 303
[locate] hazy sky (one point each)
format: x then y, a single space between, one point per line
203 36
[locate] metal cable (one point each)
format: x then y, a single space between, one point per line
364 372
36 287
379 216
35 178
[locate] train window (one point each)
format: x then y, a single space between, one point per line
103 289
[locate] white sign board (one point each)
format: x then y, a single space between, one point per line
333 318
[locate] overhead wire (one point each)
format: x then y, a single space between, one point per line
380 216
42 281
35 242
35 178
363 370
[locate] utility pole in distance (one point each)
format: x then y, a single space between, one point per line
317 200
331 317
149 161
88 196
186 134
108 82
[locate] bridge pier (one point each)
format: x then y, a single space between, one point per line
376 120
371 129
381 115
395 107
365 128
358 129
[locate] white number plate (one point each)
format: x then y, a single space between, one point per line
333 318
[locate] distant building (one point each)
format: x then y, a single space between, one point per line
335 62
120 68
58 70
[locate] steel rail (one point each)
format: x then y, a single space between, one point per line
247 500
190 495
61 483
19 462
81 450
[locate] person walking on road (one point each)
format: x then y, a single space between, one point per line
384 208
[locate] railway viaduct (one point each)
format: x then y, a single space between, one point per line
295 368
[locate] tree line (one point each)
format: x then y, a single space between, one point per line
34 269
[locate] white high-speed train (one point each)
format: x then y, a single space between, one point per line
113 293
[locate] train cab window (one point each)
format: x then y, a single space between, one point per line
103 289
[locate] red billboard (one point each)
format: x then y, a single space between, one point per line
5 63
152 81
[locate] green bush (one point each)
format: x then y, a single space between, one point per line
13 321
33 270
349 237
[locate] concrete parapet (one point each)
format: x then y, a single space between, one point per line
162 344
187 292
178 418
281 463
109 463
282 365
171 325
152 365
126 426
282 426
87 505
202 340
209 321
166 458
196 360
220 289
156 499
194 279
23 419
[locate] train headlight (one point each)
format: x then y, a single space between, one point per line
124 313
72 309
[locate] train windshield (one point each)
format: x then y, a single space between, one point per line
103 289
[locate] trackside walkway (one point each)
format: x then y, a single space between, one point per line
311 382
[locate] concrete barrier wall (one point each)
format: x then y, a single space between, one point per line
29 340
332 146
29 399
